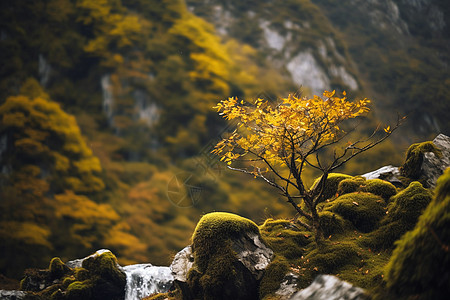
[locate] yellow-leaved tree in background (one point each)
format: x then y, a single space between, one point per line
276 142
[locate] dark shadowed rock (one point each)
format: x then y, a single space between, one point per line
328 287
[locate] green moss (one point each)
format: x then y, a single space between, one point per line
216 266
273 276
213 230
332 223
363 210
382 188
68 280
350 185
443 186
284 238
57 268
81 274
420 264
105 266
401 216
331 185
414 158
330 257
79 290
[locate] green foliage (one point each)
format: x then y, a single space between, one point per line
363 210
420 264
414 158
402 214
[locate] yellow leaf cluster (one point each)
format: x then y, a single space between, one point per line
293 126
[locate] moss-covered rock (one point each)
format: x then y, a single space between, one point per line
363 210
420 264
414 158
80 290
401 216
107 279
217 273
273 276
99 278
332 223
331 185
284 238
350 185
380 187
57 268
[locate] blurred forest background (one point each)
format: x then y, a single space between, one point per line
106 119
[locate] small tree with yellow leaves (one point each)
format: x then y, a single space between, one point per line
277 142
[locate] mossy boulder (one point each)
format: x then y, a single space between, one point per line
57 268
99 278
332 223
331 185
380 187
219 272
420 264
350 185
414 158
401 215
363 210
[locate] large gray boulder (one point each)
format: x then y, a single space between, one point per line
328 287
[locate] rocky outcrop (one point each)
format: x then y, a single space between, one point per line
226 260
433 166
328 287
388 173
12 295
429 164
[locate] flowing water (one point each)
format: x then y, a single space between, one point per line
145 279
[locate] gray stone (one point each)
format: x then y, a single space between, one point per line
328 287
388 173
182 263
288 286
433 166
77 263
252 253
12 295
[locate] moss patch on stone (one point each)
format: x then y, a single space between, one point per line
363 210
99 278
381 188
217 273
414 158
420 264
331 185
350 185
401 215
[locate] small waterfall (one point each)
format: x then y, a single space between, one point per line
44 70
145 279
108 97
